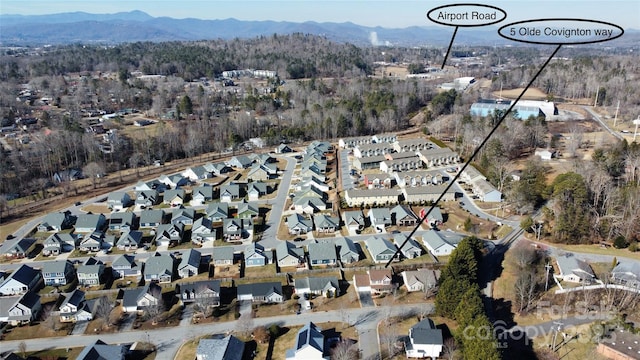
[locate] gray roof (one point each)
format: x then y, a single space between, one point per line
124 260
318 283
434 240
401 211
231 189
58 266
377 245
159 264
260 289
286 248
426 333
16 245
190 257
75 298
130 237
324 220
345 246
568 263
322 251
173 193
24 274
89 220
122 218
221 209
130 297
102 351
228 348
354 216
205 190
151 216
197 286
223 253
380 214
294 220
411 245
187 212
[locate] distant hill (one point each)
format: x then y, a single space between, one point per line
81 27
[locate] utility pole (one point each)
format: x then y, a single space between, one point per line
615 118
595 103
546 280
555 335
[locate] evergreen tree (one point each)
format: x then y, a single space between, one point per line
470 307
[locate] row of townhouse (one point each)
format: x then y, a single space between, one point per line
480 186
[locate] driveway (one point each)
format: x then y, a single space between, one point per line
187 315
245 307
79 328
365 299
127 323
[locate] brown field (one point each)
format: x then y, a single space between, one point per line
531 94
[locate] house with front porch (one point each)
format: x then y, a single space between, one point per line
255 255
130 241
92 242
17 248
122 221
320 286
59 243
237 229
91 272
159 268
174 197
207 291
322 253
58 273
298 224
402 215
167 234
126 265
216 212
189 263
287 254
326 224
411 248
230 192
151 218
266 292
203 231
381 250
20 281
74 308
118 200
201 195
354 220
146 198
347 251
20 310
183 215
138 300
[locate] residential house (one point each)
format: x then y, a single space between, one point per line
262 172
138 300
92 242
174 181
369 162
159 268
436 244
122 221
375 281
378 181
240 162
438 157
309 345
190 263
174 197
412 145
216 212
23 279
21 309
376 149
156 185
347 251
321 286
351 142
287 254
255 190
326 224
545 154
283 148
381 250
91 272
380 218
100 350
126 266
237 229
229 192
17 248
371 197
197 173
58 273
227 348
129 240
427 193
255 255
420 280
572 269
223 255
354 220
471 174
146 198
322 253
411 248
312 181
406 164
485 191
118 200
57 221
424 340
402 215
75 308
88 223
266 292
247 210
435 217
203 231
308 205
151 218
184 216
201 195
627 273
218 168
206 290
262 158
58 243
167 234
310 191
297 224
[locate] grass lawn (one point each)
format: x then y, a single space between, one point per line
576 349
260 271
70 353
599 250
37 331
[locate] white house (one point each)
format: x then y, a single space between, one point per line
425 340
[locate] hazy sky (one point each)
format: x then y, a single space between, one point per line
387 13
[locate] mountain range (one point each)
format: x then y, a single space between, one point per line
133 26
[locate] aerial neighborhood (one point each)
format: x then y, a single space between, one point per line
295 196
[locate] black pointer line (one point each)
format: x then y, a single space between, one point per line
449 49
475 152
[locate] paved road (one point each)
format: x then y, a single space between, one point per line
602 123
170 339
